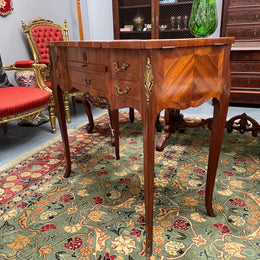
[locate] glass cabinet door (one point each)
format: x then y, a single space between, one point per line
151 19
174 18
135 19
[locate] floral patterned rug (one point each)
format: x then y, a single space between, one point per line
98 213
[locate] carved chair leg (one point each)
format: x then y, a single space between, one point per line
172 120
4 125
131 115
158 124
73 98
66 105
52 118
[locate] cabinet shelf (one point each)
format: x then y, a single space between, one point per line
174 30
134 6
131 32
177 3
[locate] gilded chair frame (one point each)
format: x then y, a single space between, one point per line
36 55
37 69
41 22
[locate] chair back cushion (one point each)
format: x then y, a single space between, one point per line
15 100
43 33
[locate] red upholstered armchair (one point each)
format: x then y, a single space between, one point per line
19 102
37 32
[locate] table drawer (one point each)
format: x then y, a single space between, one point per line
245 55
245 81
243 2
244 15
85 55
126 89
245 66
243 33
85 67
125 65
88 79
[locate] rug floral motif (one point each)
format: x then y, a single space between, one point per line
98 213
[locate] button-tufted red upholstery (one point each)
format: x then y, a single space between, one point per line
23 99
38 31
43 33
24 102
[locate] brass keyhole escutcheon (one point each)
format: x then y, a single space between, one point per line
84 56
59 74
87 81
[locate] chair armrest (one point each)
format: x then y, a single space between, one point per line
20 65
39 71
24 63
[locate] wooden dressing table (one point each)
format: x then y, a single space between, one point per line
148 75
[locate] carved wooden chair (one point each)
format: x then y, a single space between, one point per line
37 32
20 102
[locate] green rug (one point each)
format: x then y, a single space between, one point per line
98 213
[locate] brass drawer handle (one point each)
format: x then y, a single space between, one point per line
125 91
84 56
123 67
87 81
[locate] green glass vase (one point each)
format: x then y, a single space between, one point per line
204 19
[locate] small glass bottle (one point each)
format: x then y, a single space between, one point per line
203 20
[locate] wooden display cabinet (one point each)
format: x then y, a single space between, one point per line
241 19
157 15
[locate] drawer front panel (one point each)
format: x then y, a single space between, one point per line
245 66
245 81
249 15
125 65
245 55
243 2
245 97
85 55
88 79
126 89
84 67
243 33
